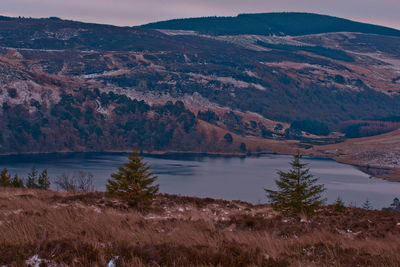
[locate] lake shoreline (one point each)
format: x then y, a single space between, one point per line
228 176
375 172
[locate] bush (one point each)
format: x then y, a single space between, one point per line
79 182
228 138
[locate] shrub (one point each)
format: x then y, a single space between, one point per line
228 138
79 182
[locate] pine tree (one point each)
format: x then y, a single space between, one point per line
5 178
44 180
16 182
338 206
32 177
133 183
297 191
367 205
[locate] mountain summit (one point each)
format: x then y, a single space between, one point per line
290 23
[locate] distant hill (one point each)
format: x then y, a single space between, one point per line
73 86
293 24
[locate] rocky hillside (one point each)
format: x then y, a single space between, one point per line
72 86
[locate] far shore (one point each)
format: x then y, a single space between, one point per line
376 172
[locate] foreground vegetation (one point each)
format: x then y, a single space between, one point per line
92 229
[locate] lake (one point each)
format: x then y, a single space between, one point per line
232 178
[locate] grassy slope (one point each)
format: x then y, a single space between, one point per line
375 151
90 229
271 23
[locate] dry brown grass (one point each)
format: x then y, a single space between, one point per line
67 229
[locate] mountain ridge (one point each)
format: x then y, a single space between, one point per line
276 23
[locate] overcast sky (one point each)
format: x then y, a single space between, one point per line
137 12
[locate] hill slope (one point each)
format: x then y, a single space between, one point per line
292 24
72 86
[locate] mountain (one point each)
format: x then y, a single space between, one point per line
290 23
225 85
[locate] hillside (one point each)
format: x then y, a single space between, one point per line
378 155
87 229
72 86
290 23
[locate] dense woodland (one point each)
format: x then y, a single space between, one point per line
74 124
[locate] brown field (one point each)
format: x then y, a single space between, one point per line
65 229
380 152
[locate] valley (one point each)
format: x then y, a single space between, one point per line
333 92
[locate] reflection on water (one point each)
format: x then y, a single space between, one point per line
216 176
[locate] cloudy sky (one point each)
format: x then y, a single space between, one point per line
136 12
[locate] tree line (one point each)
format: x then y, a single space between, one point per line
80 181
34 180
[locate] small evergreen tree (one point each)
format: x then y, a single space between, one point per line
16 182
31 182
44 180
243 147
133 183
367 205
297 191
5 178
338 206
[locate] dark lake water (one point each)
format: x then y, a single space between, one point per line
217 177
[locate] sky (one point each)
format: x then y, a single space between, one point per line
137 12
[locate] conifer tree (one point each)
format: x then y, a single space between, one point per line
31 182
338 206
367 205
44 180
297 191
16 182
5 178
133 183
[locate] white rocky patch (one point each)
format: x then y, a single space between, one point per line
229 80
112 263
34 261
